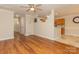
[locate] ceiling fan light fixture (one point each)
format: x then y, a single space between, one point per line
32 9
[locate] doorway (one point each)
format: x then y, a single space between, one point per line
19 26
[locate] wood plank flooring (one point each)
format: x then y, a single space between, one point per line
35 45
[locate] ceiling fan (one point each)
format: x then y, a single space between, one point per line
33 7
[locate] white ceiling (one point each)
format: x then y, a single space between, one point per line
67 10
60 9
46 8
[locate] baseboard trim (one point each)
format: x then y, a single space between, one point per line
45 36
1 39
72 35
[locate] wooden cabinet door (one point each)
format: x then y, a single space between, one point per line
62 31
59 21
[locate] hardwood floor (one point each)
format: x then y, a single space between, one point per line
70 40
35 45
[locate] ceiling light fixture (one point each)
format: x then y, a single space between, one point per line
32 9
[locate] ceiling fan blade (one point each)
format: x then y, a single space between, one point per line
28 10
24 6
35 11
38 9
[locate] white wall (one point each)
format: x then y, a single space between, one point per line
29 25
6 24
45 29
71 28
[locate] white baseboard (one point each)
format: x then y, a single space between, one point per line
45 36
28 34
8 38
73 35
